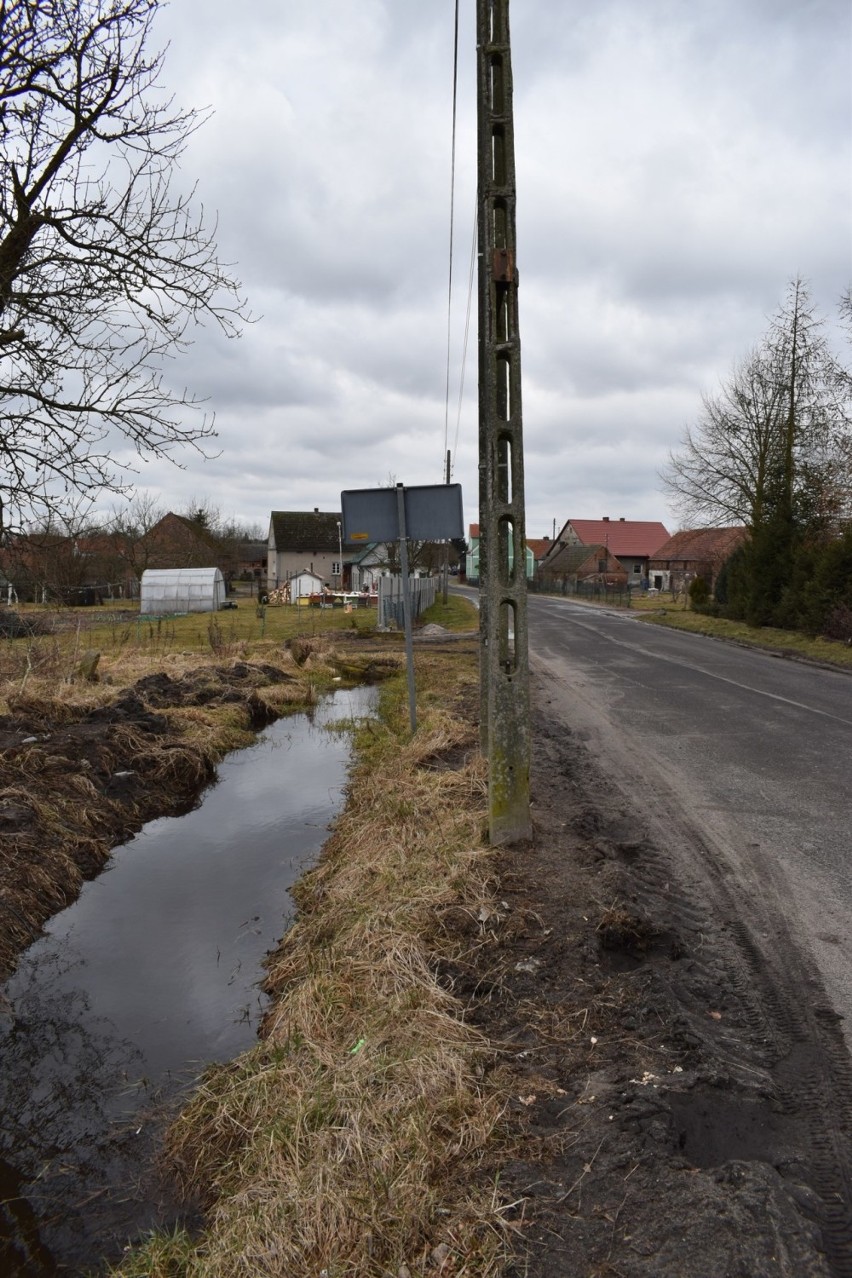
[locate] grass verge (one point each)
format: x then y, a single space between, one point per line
351 1140
791 643
457 614
122 635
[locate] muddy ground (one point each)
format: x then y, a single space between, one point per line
76 782
680 1102
674 1111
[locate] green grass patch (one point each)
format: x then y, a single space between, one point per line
221 631
790 642
458 614
653 603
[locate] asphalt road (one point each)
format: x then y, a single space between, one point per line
753 750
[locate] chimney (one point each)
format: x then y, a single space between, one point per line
606 519
316 510
621 519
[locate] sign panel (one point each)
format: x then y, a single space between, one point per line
433 512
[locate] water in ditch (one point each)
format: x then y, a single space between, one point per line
150 974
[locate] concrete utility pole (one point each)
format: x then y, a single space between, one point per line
445 569
505 710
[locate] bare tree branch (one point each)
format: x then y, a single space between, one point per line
105 269
779 429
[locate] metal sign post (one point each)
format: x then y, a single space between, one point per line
430 512
406 607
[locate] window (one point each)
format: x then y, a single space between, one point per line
637 570
335 568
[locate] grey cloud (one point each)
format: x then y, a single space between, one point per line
676 165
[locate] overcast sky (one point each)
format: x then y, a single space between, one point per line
678 161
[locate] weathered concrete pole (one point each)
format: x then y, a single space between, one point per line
502 532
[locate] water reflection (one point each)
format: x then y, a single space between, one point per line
67 1079
150 974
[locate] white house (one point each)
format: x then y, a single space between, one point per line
302 541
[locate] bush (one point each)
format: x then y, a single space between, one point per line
709 609
839 624
699 592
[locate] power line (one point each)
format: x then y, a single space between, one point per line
470 279
452 221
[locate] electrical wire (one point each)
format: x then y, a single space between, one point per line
452 223
470 278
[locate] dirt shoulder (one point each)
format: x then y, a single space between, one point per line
681 1107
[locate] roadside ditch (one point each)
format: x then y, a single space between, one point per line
562 1059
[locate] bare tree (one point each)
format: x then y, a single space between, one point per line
204 512
778 431
129 526
104 266
417 550
52 559
720 472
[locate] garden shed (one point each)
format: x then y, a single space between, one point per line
182 590
304 583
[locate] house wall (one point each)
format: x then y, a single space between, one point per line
472 560
636 568
304 583
284 564
677 574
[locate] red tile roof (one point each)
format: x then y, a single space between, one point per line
701 544
539 546
621 536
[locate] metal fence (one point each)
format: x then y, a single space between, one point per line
421 592
618 596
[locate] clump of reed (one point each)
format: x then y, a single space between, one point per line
351 1140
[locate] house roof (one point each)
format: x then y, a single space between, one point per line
252 549
306 530
373 549
153 578
169 520
701 545
306 572
568 559
539 546
621 536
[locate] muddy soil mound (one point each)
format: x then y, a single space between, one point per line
76 782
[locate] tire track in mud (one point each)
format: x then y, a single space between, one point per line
792 1033
779 1040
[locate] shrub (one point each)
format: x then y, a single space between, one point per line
699 592
839 624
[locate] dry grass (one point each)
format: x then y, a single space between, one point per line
61 814
791 643
115 627
349 1141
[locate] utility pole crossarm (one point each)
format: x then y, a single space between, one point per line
502 547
